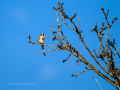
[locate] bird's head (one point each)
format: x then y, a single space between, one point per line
42 34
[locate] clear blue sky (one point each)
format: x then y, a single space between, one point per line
20 62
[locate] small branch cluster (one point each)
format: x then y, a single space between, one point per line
107 51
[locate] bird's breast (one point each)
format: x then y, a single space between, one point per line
41 41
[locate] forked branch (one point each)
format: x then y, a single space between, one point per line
105 52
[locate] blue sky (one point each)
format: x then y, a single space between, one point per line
20 62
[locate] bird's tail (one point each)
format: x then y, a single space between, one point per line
42 46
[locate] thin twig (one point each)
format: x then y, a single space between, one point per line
50 45
97 82
48 37
58 22
107 39
67 24
67 58
81 72
50 50
116 52
53 30
79 23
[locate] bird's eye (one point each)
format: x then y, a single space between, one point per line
43 34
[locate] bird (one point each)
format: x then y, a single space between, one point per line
41 40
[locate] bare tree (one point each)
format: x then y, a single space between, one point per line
106 54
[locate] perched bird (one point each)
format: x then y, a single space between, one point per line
41 40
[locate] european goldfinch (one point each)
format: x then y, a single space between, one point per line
41 40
